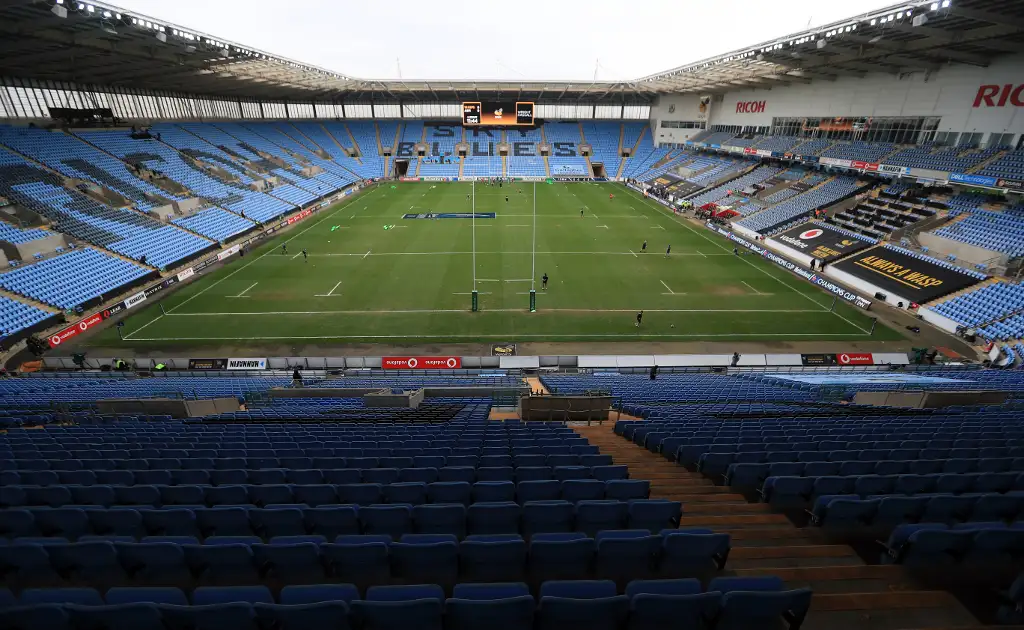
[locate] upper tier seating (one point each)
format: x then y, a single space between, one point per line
631 133
862 151
349 168
958 159
801 205
127 232
717 137
94 273
161 158
1010 166
777 144
68 155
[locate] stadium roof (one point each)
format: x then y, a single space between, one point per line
100 44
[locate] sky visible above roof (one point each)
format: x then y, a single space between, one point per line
510 41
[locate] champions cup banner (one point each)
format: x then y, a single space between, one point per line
821 243
813 278
421 363
912 278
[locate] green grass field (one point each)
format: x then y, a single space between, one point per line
411 283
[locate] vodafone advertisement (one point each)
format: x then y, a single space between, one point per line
855 358
77 329
421 363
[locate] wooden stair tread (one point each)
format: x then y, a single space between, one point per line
881 601
796 551
841 572
718 520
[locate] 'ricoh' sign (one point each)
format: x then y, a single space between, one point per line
1000 95
750 107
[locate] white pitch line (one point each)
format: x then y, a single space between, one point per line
367 253
602 226
503 335
518 225
487 280
698 251
751 288
329 293
134 332
520 280
506 310
671 292
634 254
265 254
243 293
296 255
684 223
471 293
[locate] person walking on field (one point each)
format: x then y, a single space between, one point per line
643 248
639 318
668 251
544 282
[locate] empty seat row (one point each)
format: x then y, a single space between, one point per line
786 491
988 546
881 513
411 493
51 461
747 475
727 604
498 517
367 559
718 457
263 476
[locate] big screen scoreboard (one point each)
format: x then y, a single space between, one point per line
478 113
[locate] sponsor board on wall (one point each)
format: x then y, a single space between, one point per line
247 364
72 331
1000 95
420 363
893 170
185 275
836 162
135 300
975 180
821 243
855 358
813 278
764 153
207 364
864 166
1010 183
818 359
295 218
231 251
903 275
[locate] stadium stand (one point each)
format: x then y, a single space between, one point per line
565 158
19 236
604 140
95 274
16 316
216 224
441 160
756 176
1010 165
524 159
800 206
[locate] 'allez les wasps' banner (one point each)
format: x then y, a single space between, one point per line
821 242
903 275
